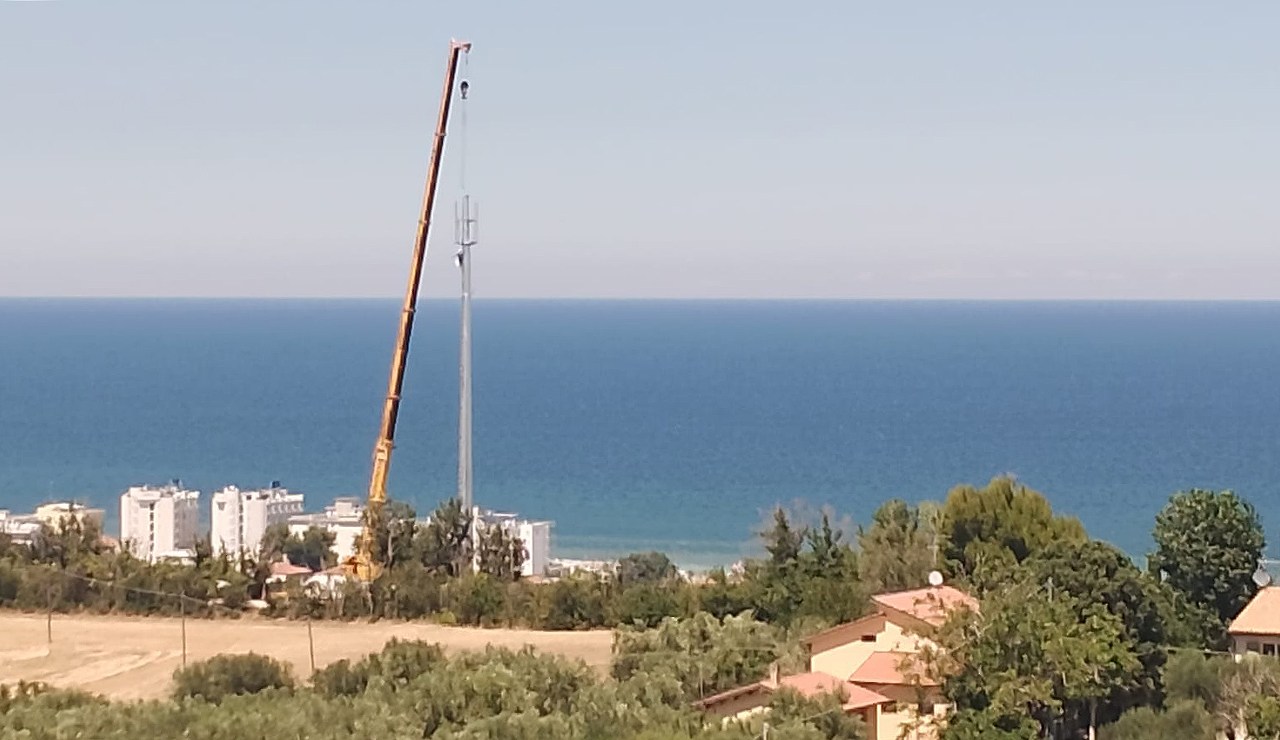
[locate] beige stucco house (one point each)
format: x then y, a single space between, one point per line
871 662
1256 629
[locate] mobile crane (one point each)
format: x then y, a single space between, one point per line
363 564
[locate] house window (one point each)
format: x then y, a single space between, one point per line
1252 647
889 707
1269 648
868 638
924 708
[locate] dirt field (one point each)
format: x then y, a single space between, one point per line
134 657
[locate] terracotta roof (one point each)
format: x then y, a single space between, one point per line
839 627
724 696
1261 616
887 668
289 569
809 685
927 604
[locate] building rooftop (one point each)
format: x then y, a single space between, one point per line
1261 616
809 685
931 605
891 668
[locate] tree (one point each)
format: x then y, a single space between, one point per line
392 528
1183 720
898 550
69 542
1027 654
313 548
1095 574
274 538
783 541
1004 523
1208 544
443 544
225 675
501 554
646 567
706 655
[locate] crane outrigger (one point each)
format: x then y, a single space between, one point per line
363 564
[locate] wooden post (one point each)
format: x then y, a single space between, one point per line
311 645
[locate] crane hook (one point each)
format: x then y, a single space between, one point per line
463 89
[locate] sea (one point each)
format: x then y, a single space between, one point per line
652 425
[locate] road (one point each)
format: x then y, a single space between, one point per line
134 657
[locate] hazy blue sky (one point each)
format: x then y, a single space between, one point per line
837 149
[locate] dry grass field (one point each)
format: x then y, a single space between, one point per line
134 657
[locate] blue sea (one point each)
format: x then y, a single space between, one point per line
670 425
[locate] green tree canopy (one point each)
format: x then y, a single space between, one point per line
1004 523
1095 574
1029 655
1208 544
646 567
896 552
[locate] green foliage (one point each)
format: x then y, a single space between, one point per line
1189 675
1207 547
576 602
1183 720
646 567
646 604
226 675
1095 574
896 552
399 663
702 655
477 599
313 548
1029 655
442 544
500 554
810 573
989 529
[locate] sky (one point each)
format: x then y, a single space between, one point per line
662 149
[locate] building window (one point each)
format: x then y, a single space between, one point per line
889 707
1252 647
1269 648
868 638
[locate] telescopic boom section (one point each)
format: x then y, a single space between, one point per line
364 563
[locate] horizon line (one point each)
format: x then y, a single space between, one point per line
740 299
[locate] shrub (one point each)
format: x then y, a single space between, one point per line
225 675
399 663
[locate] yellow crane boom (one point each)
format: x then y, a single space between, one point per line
363 563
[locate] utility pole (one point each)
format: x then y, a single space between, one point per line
311 646
465 232
182 609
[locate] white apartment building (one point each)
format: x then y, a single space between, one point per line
22 528
345 519
536 537
159 522
239 518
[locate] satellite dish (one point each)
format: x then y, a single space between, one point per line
1262 577
935 578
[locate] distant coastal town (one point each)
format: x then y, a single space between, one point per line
161 523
